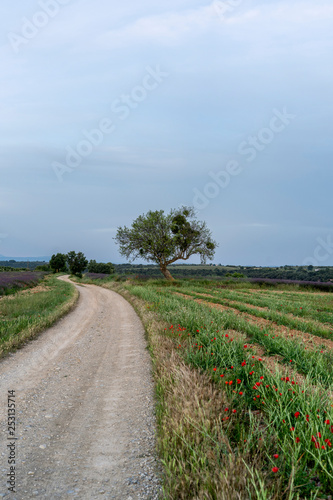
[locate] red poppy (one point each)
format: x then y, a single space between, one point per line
275 469
276 455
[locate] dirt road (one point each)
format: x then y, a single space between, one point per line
84 407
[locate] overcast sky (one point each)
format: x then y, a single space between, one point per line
110 109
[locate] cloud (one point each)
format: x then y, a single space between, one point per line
167 28
173 28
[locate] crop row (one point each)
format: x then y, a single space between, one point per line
280 318
315 307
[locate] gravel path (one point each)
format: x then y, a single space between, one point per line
84 407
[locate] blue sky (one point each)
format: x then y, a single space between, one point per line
110 109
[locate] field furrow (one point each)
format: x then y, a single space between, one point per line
310 341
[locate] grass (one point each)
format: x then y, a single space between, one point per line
25 314
315 364
280 315
229 426
305 305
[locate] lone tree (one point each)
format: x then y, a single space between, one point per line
58 263
77 263
164 239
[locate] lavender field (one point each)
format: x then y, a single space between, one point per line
96 276
15 280
313 284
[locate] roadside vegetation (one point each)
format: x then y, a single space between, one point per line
243 412
26 313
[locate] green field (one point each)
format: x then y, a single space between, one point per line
24 314
267 425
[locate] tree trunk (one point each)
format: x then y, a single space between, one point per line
166 273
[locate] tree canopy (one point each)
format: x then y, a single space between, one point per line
165 238
58 263
77 262
100 267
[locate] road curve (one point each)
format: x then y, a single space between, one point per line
84 406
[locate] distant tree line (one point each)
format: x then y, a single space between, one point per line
26 265
77 263
324 274
59 262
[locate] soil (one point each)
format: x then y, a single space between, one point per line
84 407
